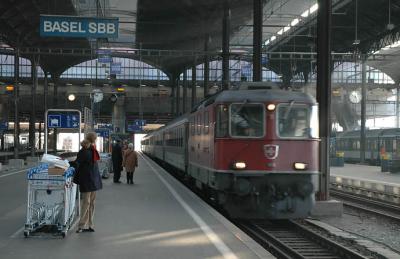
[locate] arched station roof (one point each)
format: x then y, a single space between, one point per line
184 25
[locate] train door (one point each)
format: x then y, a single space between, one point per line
163 145
186 145
206 138
396 147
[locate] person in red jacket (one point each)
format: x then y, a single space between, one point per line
89 180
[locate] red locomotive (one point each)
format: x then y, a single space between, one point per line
255 152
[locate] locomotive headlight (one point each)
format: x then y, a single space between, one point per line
239 165
271 107
300 166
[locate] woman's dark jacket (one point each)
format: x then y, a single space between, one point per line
88 175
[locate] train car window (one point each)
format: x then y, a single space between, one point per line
294 121
246 120
221 126
192 126
180 137
199 124
206 123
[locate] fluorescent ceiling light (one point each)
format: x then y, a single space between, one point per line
295 22
273 38
280 32
267 42
305 14
286 28
313 8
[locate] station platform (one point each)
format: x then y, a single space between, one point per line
156 217
365 172
368 180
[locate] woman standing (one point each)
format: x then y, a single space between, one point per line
130 162
89 180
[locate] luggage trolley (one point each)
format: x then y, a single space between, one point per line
51 201
105 165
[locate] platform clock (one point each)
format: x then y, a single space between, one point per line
355 97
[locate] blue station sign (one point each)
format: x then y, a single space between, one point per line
134 128
105 133
3 125
75 26
63 121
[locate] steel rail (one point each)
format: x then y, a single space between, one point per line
289 239
367 204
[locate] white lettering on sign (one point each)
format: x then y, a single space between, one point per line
92 27
79 27
74 27
47 26
101 28
64 26
110 28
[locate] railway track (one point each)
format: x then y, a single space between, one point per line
290 239
367 204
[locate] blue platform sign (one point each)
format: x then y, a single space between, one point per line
140 123
104 59
105 133
104 126
246 71
134 128
63 121
3 125
115 68
76 26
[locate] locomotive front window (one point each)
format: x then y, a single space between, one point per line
246 120
296 121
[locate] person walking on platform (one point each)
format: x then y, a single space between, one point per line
116 156
89 180
130 162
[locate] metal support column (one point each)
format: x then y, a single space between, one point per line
184 97
226 20
324 91
206 66
257 39
363 107
397 105
32 119
16 108
45 94
173 87
194 78
40 135
55 104
178 95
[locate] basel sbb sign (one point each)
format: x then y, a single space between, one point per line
74 26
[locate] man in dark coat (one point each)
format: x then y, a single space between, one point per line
116 156
89 180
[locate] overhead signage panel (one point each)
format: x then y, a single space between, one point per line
63 121
104 133
134 128
3 125
75 26
115 68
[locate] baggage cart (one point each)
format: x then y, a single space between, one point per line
53 201
105 165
